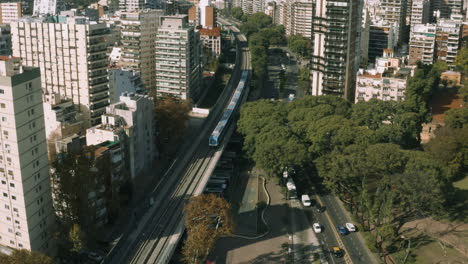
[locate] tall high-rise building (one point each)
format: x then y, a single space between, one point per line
381 37
178 70
71 53
131 5
394 11
448 40
9 12
422 44
446 8
334 45
138 31
26 213
420 12
48 7
297 17
5 40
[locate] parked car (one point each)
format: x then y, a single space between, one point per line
306 200
292 194
342 230
317 228
95 256
337 252
290 185
351 227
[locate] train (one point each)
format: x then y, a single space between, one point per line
218 133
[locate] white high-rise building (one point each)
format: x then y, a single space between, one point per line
131 5
178 70
422 44
297 17
420 12
71 53
138 31
9 12
48 7
26 211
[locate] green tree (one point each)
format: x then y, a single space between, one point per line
274 34
76 238
207 218
24 256
456 118
304 80
260 19
248 28
299 45
171 116
237 13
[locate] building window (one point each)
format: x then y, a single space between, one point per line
12 242
3 182
8 218
2 105
18 234
2 91
20 245
5 195
7 207
15 210
17 222
13 197
12 185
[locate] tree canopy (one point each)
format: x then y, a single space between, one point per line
207 218
299 45
24 256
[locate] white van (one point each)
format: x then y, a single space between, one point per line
306 200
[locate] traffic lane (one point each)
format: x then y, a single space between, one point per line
356 250
326 237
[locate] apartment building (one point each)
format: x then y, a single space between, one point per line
26 211
5 40
61 118
138 30
446 8
448 35
334 42
178 48
297 17
131 122
387 81
422 44
48 7
381 36
211 39
394 11
71 53
9 12
420 12
131 5
123 80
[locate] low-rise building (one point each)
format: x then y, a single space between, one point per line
211 40
61 116
387 81
123 80
451 78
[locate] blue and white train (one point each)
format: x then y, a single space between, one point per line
218 133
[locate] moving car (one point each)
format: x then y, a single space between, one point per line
95 256
317 228
337 252
306 200
350 227
343 231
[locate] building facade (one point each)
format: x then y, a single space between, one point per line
26 213
448 40
138 31
178 70
48 7
334 44
420 12
297 17
387 81
211 39
71 53
123 80
422 44
381 37
132 122
9 12
5 40
394 11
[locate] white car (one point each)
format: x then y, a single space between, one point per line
306 200
350 227
317 228
290 185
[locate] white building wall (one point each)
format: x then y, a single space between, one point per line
26 212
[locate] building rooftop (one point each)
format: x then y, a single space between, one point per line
214 32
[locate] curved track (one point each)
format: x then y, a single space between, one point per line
157 234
